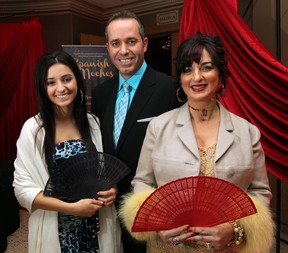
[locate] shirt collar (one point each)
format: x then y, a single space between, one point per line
135 79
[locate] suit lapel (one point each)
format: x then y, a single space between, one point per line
109 115
225 138
185 132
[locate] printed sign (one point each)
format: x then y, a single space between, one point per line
94 64
167 17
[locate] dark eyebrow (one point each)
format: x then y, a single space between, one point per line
114 40
127 39
67 75
132 38
207 62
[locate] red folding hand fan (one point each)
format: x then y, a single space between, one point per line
197 201
83 175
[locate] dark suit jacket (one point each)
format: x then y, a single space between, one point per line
155 95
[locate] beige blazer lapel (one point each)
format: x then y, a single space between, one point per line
185 130
225 138
186 133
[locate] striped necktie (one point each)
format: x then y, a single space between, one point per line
121 112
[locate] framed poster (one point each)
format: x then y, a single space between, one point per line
94 64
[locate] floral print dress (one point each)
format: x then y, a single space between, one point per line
76 234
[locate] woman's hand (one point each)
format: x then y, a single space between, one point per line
85 207
218 236
108 197
176 235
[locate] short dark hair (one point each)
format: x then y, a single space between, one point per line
125 14
190 50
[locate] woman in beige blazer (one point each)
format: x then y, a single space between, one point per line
203 138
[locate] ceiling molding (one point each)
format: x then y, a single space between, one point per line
83 8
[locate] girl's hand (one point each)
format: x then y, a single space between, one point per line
86 207
108 197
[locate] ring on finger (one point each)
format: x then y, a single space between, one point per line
174 241
209 246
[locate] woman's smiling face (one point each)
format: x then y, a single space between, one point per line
61 85
201 81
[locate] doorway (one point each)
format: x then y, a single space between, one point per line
158 54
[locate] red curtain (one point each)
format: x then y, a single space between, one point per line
258 87
21 45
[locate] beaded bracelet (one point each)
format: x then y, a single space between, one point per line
239 234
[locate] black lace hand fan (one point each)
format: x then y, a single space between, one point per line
197 201
83 175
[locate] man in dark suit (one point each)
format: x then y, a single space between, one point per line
152 93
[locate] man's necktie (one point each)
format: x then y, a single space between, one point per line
121 112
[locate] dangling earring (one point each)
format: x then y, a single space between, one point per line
221 90
81 98
178 97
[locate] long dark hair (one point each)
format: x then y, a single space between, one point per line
45 105
191 50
